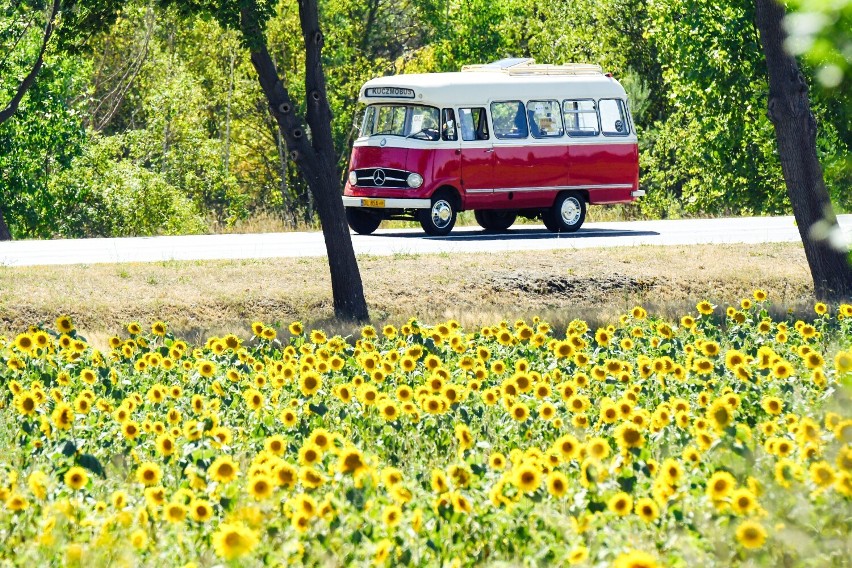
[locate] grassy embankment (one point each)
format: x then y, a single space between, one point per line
214 297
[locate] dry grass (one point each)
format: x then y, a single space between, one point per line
213 297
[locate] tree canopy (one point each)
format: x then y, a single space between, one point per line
162 95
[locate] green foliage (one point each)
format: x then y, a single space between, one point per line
39 140
102 194
715 152
165 93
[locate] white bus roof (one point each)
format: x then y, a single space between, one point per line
477 84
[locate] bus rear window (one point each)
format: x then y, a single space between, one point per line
613 118
414 121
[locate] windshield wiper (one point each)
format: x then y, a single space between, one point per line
424 131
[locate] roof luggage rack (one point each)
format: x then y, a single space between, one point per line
521 66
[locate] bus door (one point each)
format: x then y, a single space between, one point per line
477 157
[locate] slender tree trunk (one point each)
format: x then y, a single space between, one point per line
5 234
23 87
795 131
315 158
228 115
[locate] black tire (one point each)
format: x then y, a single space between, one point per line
496 219
362 222
567 213
439 219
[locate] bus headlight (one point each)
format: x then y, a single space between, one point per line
353 178
414 180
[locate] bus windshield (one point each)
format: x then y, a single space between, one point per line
410 121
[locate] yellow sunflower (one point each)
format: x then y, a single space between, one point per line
223 469
751 534
527 477
76 477
233 540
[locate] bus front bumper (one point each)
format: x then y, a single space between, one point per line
386 203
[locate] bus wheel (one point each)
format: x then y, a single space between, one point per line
567 214
362 222
439 219
495 220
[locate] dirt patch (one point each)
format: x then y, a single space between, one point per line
550 284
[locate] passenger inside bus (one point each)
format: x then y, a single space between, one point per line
520 128
534 129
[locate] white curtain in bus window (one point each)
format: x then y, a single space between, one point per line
473 124
466 123
581 117
544 118
509 119
613 117
448 125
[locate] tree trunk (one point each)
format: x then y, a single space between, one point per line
795 131
315 158
5 234
27 82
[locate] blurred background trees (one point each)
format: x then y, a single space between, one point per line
152 124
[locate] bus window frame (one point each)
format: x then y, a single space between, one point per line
373 109
445 135
494 130
626 116
478 133
581 133
561 132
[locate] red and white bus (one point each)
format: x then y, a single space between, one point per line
504 139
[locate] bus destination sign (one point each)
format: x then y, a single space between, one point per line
390 92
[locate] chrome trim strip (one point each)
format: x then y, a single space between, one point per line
552 188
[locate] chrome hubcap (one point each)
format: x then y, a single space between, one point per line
571 211
442 212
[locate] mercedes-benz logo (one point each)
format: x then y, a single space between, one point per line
379 177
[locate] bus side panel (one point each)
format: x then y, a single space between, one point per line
603 166
547 167
477 176
446 169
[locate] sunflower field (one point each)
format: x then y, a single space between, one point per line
724 438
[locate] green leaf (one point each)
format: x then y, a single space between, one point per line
627 483
91 463
68 448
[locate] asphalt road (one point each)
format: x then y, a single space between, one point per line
752 230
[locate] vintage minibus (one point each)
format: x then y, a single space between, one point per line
506 139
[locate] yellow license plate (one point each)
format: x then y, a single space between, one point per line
372 202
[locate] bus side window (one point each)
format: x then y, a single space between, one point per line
544 118
613 118
448 128
474 125
510 119
581 117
